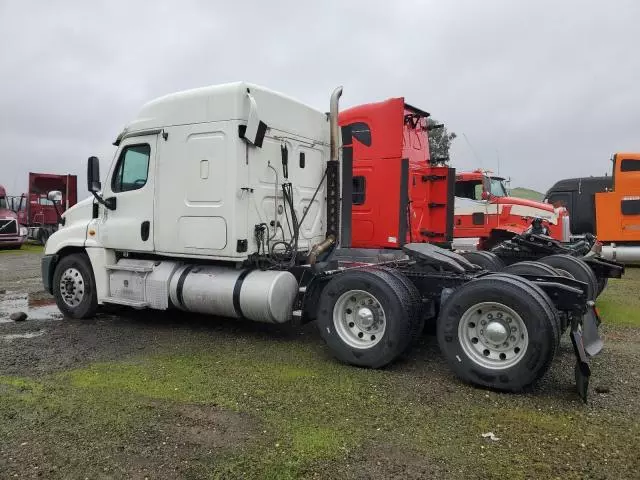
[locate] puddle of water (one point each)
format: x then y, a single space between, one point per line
13 336
35 308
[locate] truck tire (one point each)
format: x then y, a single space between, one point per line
561 318
530 268
416 317
487 260
364 316
574 268
74 286
499 332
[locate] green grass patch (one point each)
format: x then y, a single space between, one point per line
520 192
309 410
619 304
26 248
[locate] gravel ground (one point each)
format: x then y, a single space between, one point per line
433 423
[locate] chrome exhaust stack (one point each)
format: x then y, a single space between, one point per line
334 185
333 124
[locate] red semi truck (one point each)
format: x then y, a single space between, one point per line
486 215
12 234
37 211
398 195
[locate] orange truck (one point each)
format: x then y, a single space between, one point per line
613 205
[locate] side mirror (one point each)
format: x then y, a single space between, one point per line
93 175
55 196
485 195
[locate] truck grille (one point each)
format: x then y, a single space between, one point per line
8 227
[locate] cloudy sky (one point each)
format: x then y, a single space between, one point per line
551 87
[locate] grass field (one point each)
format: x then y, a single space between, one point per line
527 193
249 403
620 302
26 247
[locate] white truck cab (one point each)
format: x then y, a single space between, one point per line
197 175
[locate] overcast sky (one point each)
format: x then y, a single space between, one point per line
552 87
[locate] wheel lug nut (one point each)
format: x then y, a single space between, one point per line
483 322
513 329
512 338
505 344
508 319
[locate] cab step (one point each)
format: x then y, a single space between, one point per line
130 268
126 302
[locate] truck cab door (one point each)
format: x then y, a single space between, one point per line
471 211
131 182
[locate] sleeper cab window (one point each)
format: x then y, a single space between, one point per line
132 169
630 165
358 192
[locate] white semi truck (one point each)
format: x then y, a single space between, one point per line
234 200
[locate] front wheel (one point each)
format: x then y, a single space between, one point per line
74 286
498 332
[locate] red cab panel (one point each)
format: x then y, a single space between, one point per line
397 196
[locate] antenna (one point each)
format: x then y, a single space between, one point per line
498 157
472 149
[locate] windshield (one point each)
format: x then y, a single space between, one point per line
496 187
3 202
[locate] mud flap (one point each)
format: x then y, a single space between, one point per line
586 343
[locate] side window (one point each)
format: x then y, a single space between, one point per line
477 191
132 169
358 193
469 189
630 165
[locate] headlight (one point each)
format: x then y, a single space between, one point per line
23 231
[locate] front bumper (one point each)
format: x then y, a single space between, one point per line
48 265
12 240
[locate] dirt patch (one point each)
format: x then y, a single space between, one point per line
183 442
212 428
389 462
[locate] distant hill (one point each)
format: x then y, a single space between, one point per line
527 193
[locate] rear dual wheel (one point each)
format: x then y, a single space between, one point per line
499 331
487 260
538 268
573 267
369 317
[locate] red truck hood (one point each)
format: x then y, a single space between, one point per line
524 202
6 213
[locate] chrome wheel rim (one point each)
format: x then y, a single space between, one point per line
72 287
359 319
493 335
